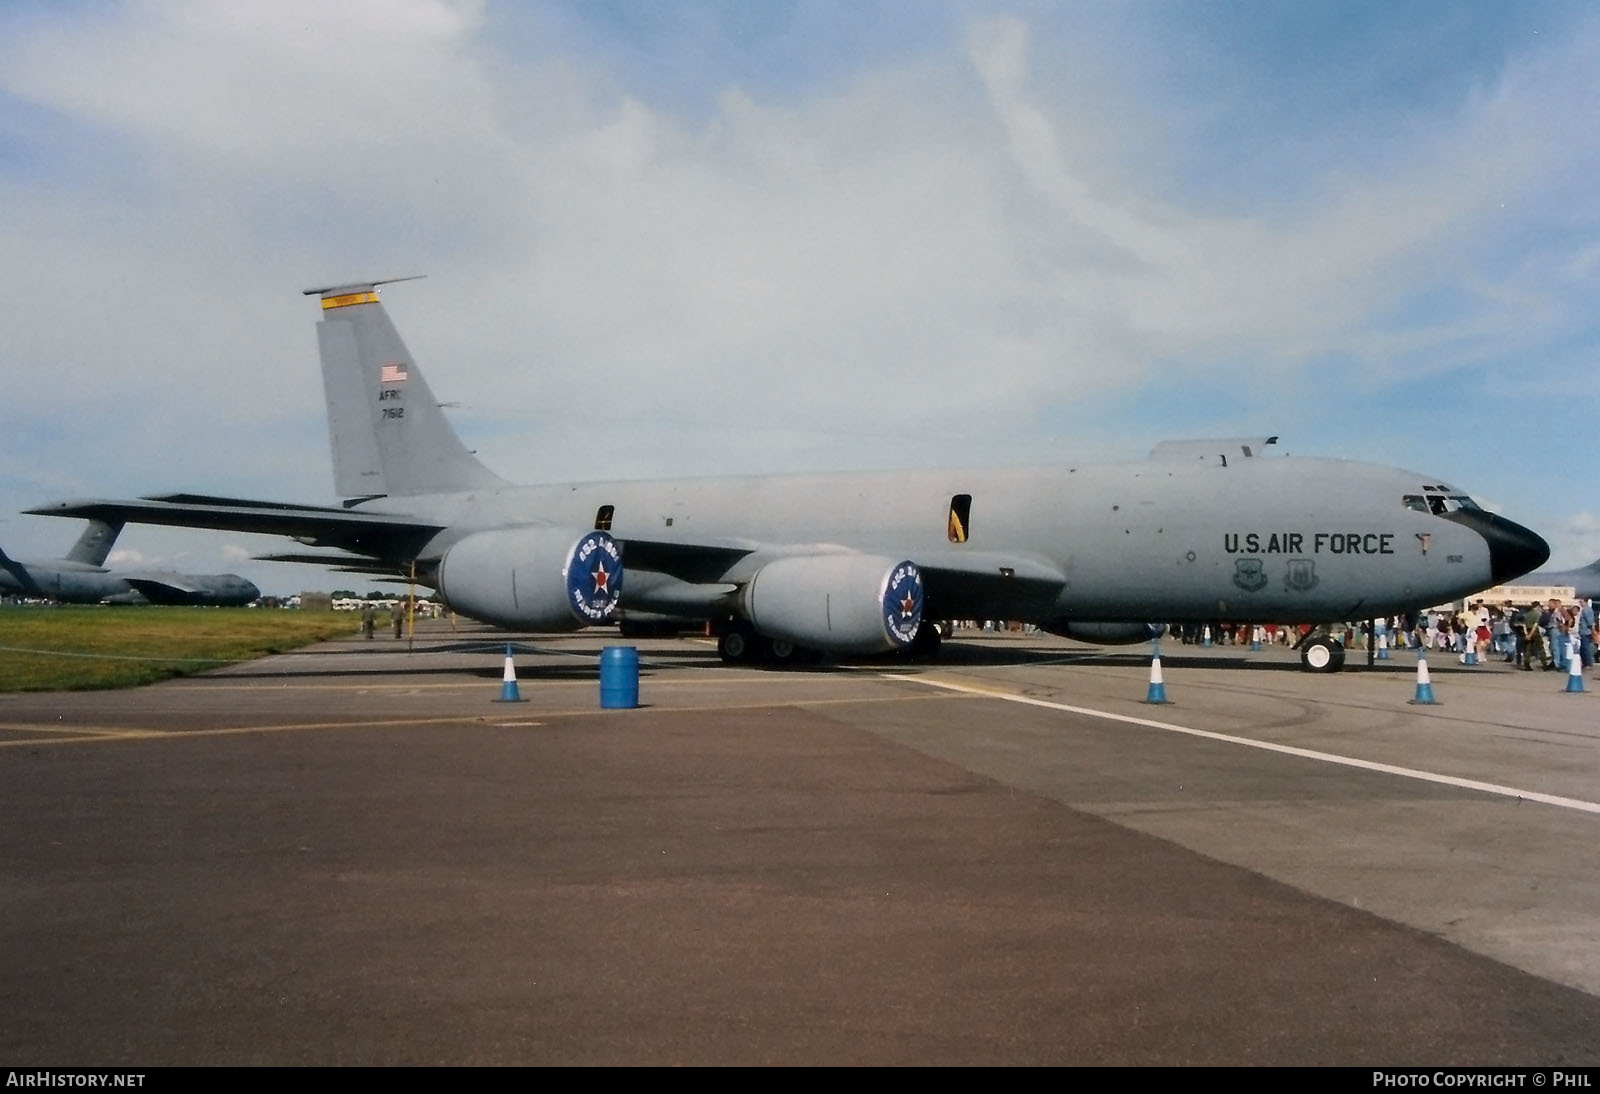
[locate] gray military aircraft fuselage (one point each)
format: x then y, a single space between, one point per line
1095 552
1258 540
80 578
852 563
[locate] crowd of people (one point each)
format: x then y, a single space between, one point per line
1543 636
1537 636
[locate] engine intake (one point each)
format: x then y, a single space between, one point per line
533 578
838 603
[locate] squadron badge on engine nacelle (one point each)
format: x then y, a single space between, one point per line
594 577
902 603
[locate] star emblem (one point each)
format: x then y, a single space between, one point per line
602 580
908 606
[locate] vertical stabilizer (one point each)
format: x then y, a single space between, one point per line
386 430
94 544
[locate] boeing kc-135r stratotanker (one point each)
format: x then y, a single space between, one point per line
854 563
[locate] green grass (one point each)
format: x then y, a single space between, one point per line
71 648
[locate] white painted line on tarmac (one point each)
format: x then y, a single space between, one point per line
1267 746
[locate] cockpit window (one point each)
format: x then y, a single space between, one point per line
1438 504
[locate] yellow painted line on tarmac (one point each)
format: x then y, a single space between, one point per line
72 733
82 734
216 683
104 734
46 727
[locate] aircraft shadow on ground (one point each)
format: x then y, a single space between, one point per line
544 662
957 653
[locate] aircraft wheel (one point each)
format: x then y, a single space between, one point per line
736 645
782 653
1322 655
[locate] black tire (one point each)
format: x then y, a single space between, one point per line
735 646
1322 655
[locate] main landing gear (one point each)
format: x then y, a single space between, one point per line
925 646
739 644
736 644
1320 653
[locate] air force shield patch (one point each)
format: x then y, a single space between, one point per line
1250 575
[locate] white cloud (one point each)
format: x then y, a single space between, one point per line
912 264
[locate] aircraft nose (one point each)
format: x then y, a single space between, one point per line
1513 549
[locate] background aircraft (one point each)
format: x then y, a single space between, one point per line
81 577
852 563
1585 580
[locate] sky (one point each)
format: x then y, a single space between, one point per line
716 237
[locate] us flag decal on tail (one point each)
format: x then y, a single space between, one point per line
392 374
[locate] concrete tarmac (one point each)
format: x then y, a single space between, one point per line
354 854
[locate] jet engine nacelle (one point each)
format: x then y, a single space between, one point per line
533 578
844 603
1106 634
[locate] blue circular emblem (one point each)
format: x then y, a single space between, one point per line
902 603
594 577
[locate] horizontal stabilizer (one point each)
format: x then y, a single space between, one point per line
360 286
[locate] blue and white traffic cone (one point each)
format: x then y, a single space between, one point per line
1424 685
508 689
1472 654
1574 668
1205 638
1383 645
1158 690
1255 639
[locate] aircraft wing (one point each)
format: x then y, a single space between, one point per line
167 587
695 563
349 564
987 584
960 583
18 575
320 526
163 587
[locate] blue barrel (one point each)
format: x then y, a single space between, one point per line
619 677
